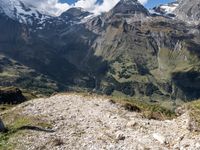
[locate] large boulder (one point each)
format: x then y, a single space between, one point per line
11 96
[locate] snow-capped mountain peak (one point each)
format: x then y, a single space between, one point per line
129 7
38 19
165 9
17 10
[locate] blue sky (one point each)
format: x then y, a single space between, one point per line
150 4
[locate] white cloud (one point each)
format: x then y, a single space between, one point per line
54 7
93 6
105 6
88 5
143 1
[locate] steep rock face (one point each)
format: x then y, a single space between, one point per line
130 10
129 7
189 11
177 57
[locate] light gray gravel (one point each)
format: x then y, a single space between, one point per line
93 123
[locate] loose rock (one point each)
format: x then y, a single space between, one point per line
131 124
159 138
120 136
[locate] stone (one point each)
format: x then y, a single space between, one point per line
197 145
160 138
131 124
192 125
180 111
120 136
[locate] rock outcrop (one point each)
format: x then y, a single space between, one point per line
129 7
11 96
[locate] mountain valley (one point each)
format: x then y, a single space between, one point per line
127 50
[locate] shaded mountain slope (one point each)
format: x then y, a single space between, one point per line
13 73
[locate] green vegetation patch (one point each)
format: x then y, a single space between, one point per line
17 125
150 111
194 112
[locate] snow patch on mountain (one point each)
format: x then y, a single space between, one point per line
169 8
17 10
165 9
30 15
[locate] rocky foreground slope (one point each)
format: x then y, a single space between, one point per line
94 123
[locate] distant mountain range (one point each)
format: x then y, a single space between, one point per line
129 50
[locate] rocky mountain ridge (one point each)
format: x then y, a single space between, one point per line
28 14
